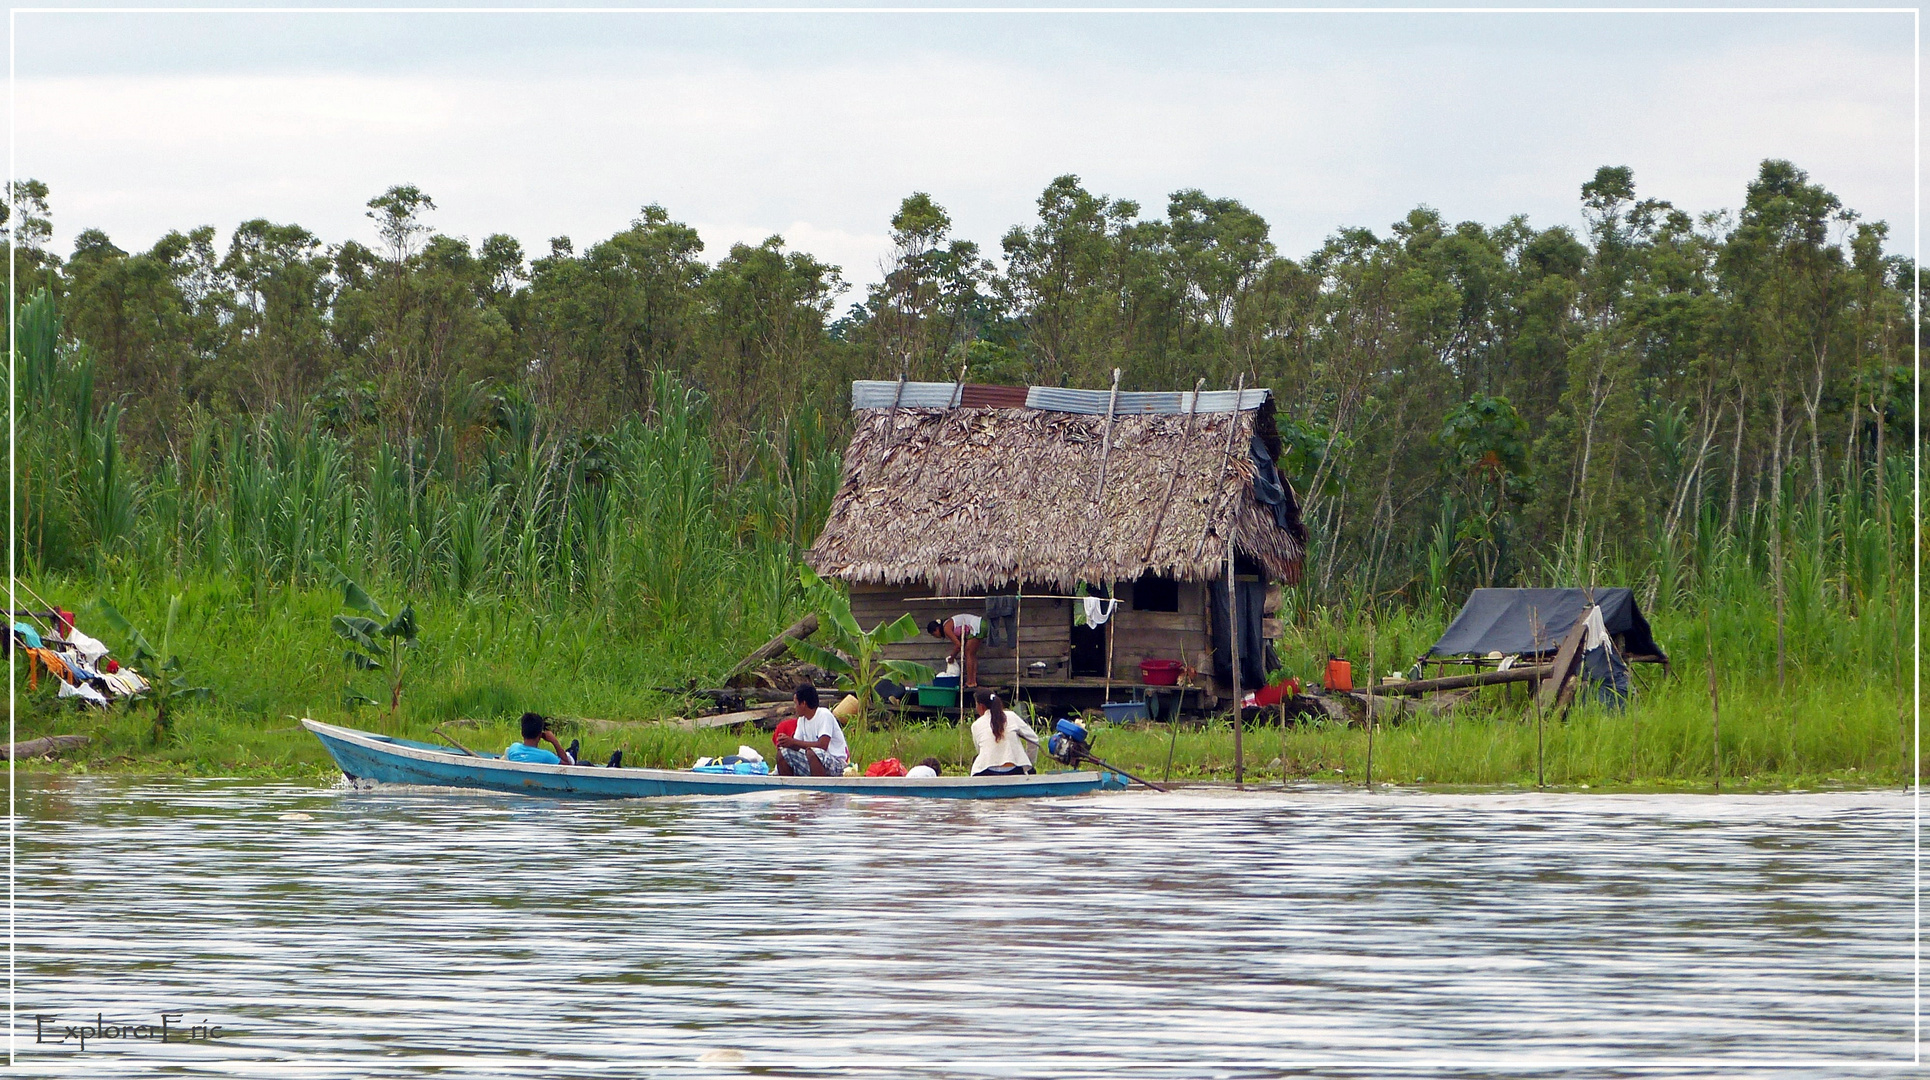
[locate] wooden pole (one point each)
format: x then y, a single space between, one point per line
1370 701
1172 481
1174 744
1112 619
1715 702
1233 654
1283 744
1534 620
1226 461
1018 628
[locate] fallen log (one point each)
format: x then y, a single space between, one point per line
776 647
731 719
1416 687
46 746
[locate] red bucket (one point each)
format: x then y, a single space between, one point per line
1160 672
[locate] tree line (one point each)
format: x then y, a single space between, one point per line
1658 395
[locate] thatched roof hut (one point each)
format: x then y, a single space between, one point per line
976 496
953 494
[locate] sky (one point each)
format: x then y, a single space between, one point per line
813 126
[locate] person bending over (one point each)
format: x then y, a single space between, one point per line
966 632
1005 742
816 747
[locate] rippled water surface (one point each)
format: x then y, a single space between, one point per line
334 932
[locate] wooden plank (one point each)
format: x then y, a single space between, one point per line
1567 662
1171 645
1157 620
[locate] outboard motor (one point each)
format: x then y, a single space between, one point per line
1070 743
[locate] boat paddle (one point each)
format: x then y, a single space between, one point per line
446 737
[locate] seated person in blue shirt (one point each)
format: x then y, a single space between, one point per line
536 731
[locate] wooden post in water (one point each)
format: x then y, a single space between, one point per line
1715 703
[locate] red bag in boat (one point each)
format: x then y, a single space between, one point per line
890 766
784 729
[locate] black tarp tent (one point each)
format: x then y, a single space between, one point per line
1506 620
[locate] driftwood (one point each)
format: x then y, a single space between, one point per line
776 647
46 746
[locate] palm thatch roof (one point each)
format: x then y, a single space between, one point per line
976 498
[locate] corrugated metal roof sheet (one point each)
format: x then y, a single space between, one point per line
883 394
1140 402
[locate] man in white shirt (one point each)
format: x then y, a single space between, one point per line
817 747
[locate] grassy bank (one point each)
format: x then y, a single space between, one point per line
1841 718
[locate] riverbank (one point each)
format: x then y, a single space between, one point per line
1649 748
1840 717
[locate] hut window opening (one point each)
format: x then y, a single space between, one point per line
1156 592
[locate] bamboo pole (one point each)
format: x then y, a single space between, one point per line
1172 481
1534 620
1018 632
1370 700
1174 744
1233 654
1283 744
1226 461
1112 619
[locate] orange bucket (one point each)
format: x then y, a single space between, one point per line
1340 675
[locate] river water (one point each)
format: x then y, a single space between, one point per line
404 932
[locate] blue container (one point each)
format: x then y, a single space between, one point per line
944 680
1120 712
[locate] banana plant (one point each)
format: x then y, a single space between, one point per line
378 643
167 678
850 652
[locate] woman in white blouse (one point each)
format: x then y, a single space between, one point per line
1005 742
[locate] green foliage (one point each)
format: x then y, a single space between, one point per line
166 670
852 653
378 643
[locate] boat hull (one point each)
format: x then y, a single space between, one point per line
365 756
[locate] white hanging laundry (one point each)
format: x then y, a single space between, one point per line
1596 634
1098 610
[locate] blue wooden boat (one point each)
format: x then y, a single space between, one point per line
381 758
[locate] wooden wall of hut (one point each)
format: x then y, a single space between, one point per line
1045 630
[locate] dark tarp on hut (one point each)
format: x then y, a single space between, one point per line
1504 621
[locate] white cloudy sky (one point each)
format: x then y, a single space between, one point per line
815 125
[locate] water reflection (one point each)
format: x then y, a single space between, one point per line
401 932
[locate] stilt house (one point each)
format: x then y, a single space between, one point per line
954 494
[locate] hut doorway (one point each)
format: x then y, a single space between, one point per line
1088 652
